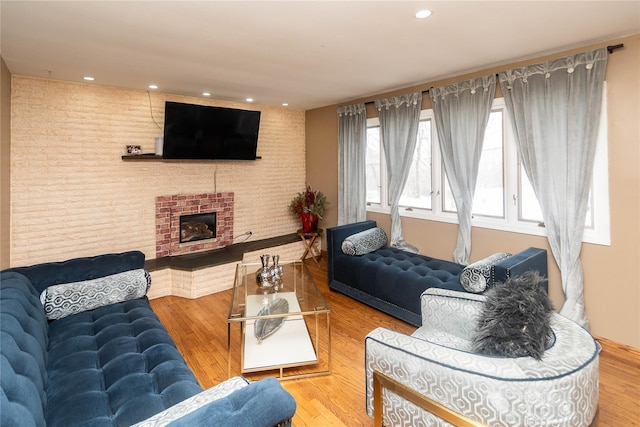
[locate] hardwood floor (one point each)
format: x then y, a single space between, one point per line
199 328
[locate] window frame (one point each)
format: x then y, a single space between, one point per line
599 233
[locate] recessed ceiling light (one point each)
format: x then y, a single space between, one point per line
88 78
206 94
153 86
249 100
284 104
421 14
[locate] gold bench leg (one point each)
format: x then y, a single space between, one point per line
381 381
377 399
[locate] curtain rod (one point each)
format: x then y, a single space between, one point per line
614 47
610 49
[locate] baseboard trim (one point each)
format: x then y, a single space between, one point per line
620 351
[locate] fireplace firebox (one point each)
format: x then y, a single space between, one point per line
197 227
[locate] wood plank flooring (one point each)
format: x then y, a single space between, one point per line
199 328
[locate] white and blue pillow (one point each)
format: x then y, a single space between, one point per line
476 277
364 242
70 298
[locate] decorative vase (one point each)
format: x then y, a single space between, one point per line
277 270
263 274
309 222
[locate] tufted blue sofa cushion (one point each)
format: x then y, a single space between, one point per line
23 353
396 276
115 365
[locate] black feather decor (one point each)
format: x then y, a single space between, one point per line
515 319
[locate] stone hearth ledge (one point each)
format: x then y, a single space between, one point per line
204 273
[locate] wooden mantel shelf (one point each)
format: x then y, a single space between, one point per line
141 157
155 158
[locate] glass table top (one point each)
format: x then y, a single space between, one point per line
294 282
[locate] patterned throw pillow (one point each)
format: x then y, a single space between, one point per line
364 242
70 298
476 277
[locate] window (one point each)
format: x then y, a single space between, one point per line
417 189
417 192
488 199
503 199
374 165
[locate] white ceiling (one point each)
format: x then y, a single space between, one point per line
307 53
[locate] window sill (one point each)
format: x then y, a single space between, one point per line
590 235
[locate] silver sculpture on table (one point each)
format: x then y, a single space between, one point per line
270 277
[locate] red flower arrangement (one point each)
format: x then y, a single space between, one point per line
309 206
308 201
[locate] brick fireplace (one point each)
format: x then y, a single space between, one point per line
169 209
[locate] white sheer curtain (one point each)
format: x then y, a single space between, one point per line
555 107
399 119
352 144
461 114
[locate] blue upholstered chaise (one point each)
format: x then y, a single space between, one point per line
114 365
392 280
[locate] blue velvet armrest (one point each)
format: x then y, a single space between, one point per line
335 237
264 403
531 259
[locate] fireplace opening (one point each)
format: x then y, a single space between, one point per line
197 227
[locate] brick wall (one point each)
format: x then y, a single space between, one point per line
168 212
72 195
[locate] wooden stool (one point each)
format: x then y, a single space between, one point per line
309 238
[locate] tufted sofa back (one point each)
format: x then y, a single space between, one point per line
74 270
23 353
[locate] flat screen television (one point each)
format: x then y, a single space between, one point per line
200 132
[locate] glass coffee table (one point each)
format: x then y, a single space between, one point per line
283 320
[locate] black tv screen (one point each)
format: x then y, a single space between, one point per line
200 132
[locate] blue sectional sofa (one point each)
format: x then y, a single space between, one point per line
80 345
392 280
